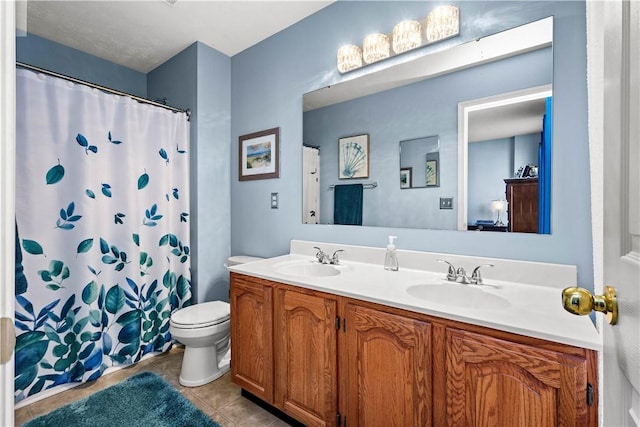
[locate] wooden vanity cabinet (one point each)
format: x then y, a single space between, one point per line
332 361
251 301
306 356
493 382
387 368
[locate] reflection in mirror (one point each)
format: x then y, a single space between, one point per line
407 101
419 162
507 159
310 185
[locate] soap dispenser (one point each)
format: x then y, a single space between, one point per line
391 259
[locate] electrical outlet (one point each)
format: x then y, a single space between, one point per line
274 200
446 202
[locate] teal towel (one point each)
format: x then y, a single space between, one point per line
347 204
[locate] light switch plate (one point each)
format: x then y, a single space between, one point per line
274 200
446 202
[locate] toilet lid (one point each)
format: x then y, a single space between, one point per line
201 315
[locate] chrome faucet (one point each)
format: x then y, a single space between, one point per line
462 276
334 258
459 275
476 277
321 256
452 275
325 258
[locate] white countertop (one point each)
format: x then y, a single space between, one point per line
528 309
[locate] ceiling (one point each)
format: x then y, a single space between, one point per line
143 34
520 118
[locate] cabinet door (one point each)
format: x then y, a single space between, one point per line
492 382
251 335
388 369
306 386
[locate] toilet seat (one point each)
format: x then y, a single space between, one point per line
201 315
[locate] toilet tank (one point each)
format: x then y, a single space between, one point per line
241 259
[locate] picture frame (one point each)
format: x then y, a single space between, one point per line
259 155
406 177
353 157
431 172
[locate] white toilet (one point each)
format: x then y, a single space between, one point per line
204 329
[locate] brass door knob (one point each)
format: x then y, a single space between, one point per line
581 302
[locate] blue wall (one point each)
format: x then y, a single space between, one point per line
213 173
270 78
198 78
43 53
490 162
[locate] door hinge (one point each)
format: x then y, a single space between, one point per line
589 394
7 339
338 327
338 417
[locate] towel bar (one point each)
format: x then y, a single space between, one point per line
365 186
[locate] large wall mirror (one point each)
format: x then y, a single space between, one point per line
430 116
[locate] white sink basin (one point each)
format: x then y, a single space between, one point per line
456 295
308 269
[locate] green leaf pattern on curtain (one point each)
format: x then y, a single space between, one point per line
105 269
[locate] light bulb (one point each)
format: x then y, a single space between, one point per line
442 22
349 58
375 47
406 36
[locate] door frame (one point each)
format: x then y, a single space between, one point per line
7 194
608 87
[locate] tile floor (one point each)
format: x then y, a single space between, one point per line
220 399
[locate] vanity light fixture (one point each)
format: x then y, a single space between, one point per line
375 47
442 22
498 205
349 58
406 36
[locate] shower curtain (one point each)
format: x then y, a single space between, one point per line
102 211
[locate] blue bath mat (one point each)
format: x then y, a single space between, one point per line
144 399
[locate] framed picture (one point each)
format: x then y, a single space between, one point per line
353 157
432 173
405 177
259 155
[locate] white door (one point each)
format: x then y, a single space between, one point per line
614 127
7 207
310 185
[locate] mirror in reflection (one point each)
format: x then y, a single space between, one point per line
419 159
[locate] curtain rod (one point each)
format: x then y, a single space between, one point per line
103 88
